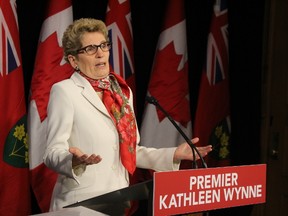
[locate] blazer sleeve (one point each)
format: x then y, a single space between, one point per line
151 158
59 123
156 159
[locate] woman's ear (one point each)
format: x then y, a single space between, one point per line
72 61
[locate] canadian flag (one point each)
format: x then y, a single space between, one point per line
169 84
49 68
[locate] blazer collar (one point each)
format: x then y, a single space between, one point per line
89 93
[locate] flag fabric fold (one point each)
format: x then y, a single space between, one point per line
14 163
169 83
119 25
118 21
49 68
212 118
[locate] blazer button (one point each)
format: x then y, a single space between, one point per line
115 147
114 167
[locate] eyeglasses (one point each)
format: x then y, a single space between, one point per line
92 49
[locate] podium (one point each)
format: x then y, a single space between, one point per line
188 191
115 202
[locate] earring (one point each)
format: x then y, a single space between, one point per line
76 68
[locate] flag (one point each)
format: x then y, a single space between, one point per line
118 21
169 84
14 171
49 68
212 118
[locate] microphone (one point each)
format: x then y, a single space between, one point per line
153 101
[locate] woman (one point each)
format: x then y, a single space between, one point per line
92 132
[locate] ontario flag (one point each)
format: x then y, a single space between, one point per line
49 68
118 21
14 163
212 118
169 84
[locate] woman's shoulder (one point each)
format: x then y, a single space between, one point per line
66 81
62 83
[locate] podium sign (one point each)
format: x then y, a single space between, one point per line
198 190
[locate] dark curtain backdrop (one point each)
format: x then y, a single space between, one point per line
246 28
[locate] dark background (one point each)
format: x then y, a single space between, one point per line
246 33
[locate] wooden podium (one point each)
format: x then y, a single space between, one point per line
188 191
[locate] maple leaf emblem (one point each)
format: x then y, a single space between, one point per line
49 69
170 85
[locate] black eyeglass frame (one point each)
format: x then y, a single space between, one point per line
101 46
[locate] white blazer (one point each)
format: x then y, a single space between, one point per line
77 117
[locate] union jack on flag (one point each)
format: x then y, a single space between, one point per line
14 172
118 21
217 47
212 119
10 47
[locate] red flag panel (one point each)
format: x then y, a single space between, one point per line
212 119
14 172
49 68
169 83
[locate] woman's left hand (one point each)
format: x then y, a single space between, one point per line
184 151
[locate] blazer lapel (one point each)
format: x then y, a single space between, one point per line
89 93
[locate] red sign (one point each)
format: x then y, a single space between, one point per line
187 191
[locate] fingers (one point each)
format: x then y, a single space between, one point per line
195 140
204 150
75 151
80 158
89 160
93 159
83 158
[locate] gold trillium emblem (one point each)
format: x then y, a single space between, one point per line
16 145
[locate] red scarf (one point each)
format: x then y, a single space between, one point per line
116 100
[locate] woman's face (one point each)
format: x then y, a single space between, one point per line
96 65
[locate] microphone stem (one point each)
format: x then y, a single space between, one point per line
193 147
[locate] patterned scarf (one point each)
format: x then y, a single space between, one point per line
115 98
